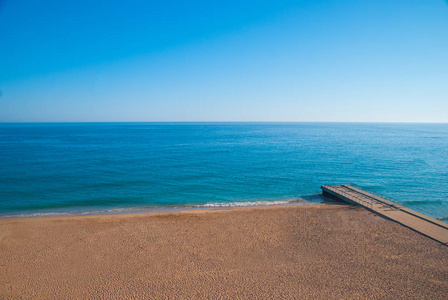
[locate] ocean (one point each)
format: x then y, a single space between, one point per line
85 168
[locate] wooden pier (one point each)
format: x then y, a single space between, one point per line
430 227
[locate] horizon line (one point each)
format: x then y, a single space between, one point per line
214 122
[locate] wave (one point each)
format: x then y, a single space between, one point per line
40 214
125 210
252 203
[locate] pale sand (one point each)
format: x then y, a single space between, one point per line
314 251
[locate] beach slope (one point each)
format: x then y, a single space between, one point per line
296 251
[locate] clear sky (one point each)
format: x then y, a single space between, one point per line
232 60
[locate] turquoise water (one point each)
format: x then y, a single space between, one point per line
94 167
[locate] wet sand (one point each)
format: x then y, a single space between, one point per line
318 251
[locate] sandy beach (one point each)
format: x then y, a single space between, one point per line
318 251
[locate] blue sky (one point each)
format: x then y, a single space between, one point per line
341 60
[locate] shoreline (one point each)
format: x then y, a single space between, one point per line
151 209
325 251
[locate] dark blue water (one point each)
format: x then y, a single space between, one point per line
80 167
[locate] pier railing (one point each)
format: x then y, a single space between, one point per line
425 225
352 197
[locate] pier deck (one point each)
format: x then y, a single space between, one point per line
430 227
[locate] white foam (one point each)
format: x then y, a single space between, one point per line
30 215
123 210
247 203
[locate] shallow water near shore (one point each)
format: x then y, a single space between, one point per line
66 168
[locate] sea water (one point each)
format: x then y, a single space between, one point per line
72 168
